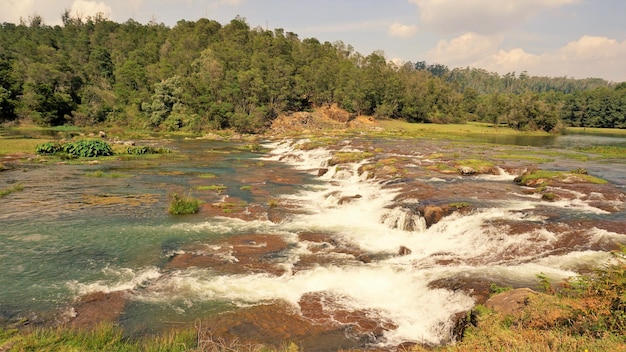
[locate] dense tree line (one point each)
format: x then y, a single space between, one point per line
204 75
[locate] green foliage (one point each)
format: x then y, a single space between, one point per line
183 204
203 75
49 148
88 148
83 148
495 289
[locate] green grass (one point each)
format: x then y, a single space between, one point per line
20 145
6 191
544 176
183 204
613 151
105 337
476 164
450 130
246 188
102 174
603 131
349 157
207 175
216 188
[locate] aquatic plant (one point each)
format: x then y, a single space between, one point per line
217 188
183 204
84 148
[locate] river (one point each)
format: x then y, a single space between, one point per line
281 231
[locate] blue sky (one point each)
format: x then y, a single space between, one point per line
573 38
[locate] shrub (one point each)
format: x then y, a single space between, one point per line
181 204
88 148
83 148
49 148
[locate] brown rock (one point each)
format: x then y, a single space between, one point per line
510 302
404 251
98 307
433 214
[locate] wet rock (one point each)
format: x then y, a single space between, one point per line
322 172
510 302
404 251
325 309
467 170
477 288
348 199
278 323
433 213
325 249
97 307
238 254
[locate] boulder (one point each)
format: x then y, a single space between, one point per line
404 251
433 214
467 170
510 302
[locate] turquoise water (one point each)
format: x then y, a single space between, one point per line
67 229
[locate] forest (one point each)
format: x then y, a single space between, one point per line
203 75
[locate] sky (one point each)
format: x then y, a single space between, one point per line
556 38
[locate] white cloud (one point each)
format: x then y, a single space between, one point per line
401 30
480 16
589 56
468 47
13 10
83 8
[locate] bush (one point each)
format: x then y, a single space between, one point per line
49 148
88 148
83 148
180 205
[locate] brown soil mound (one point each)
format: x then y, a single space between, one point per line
326 117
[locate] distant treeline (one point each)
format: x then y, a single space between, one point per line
204 75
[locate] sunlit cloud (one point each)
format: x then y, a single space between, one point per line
589 56
82 8
401 30
468 47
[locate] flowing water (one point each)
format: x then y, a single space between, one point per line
68 234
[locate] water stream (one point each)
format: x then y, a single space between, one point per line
69 234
